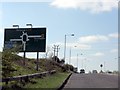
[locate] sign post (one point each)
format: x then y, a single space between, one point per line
31 39
37 63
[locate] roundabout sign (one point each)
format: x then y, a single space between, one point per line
32 40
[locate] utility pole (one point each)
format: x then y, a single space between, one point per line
56 49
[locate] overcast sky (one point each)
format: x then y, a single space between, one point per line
94 23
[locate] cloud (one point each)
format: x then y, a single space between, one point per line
94 6
1 13
114 51
93 38
78 46
25 0
98 54
113 35
1 38
72 45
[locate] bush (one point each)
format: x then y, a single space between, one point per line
67 67
8 56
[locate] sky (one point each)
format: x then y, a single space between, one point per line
93 22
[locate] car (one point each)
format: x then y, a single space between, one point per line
94 71
109 72
75 70
82 71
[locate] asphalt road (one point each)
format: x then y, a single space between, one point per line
92 81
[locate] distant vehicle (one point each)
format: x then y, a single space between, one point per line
94 71
82 71
109 72
75 70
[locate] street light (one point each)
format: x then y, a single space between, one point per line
78 58
37 65
24 37
104 66
16 26
85 63
29 25
65 44
70 56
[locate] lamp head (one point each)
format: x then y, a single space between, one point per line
72 34
16 26
28 24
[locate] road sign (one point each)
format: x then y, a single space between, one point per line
34 39
101 65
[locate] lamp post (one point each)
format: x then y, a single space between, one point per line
77 60
65 44
29 25
16 26
82 61
37 65
85 63
104 66
24 39
70 56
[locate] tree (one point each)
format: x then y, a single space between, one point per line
62 61
56 59
68 67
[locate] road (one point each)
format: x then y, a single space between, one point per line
92 81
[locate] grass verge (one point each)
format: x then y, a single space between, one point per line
52 81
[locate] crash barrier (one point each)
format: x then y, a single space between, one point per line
26 77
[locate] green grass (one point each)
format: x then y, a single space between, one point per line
1 83
53 81
0 54
22 70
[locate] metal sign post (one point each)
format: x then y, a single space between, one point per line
37 63
24 47
24 58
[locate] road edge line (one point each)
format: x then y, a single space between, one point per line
64 83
